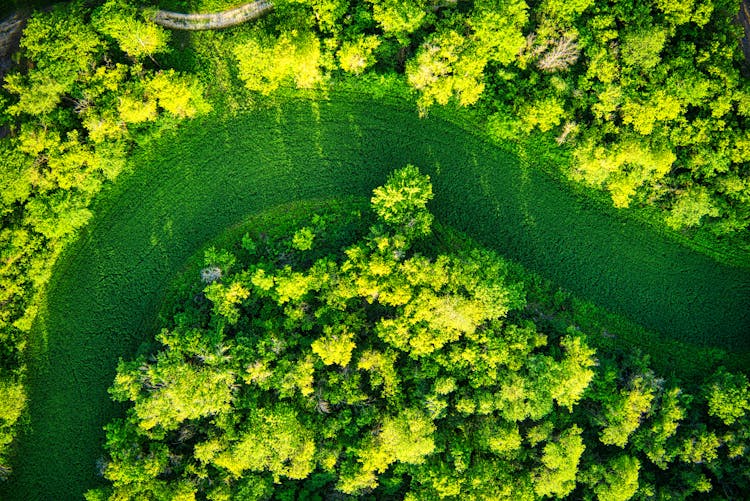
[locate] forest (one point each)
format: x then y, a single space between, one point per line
389 366
382 372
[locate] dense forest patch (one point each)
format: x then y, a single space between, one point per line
290 372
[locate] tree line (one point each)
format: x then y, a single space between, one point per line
86 90
648 96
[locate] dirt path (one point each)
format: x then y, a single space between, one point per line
214 20
10 34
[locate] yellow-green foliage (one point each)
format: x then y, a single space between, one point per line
292 57
624 415
622 167
136 37
544 114
446 67
356 56
334 347
181 96
274 440
690 207
557 476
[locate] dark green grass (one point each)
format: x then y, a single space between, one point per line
107 289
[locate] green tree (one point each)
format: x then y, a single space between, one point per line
273 440
618 479
557 475
357 55
180 95
137 38
729 397
172 392
446 66
498 29
623 416
400 18
640 48
296 57
334 347
544 114
402 202
690 207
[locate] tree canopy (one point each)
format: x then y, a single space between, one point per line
389 370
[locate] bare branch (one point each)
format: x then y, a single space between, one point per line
562 54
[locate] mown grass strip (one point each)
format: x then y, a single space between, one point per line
108 288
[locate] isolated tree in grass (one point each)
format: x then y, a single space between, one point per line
402 202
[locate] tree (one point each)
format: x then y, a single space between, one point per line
557 475
406 438
295 56
618 479
172 392
182 96
137 38
402 202
334 347
564 12
657 439
623 416
544 114
690 207
400 18
498 29
273 440
573 374
12 404
640 48
227 299
446 66
357 55
729 397
303 239
622 167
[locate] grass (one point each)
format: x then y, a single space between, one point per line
107 289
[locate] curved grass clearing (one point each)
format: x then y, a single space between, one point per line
107 290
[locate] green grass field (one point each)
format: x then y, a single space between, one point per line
186 189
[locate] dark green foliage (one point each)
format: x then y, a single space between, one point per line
379 372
